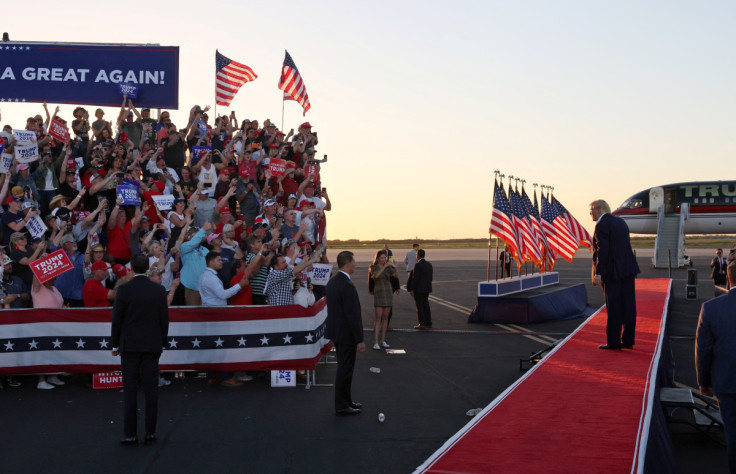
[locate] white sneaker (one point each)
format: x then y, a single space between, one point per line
377 347
244 378
384 344
44 386
54 380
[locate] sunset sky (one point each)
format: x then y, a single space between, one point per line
417 103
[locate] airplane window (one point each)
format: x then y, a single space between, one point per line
696 200
711 200
632 204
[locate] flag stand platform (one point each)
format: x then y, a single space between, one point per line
496 288
529 299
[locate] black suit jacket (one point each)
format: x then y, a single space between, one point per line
422 277
140 316
715 358
613 258
718 267
344 321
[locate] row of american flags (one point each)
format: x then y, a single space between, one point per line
534 234
231 75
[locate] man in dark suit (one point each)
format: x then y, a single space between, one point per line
422 277
615 270
719 265
140 325
715 358
345 330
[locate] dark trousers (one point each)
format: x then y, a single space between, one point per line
424 314
259 299
727 403
621 308
719 279
346 354
140 367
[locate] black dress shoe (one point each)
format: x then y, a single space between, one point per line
133 440
356 405
149 439
348 411
610 348
627 346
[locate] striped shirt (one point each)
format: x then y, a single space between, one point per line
258 282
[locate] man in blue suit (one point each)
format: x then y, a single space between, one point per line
615 270
344 328
715 358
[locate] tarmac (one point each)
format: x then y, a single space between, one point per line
424 393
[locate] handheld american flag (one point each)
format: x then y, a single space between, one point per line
501 225
292 84
229 76
577 230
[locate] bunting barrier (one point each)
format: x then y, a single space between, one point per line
226 338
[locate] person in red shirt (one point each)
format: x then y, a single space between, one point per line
245 295
95 295
156 189
118 234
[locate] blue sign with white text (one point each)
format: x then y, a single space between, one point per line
128 90
89 74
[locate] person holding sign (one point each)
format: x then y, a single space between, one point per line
381 272
45 295
13 220
23 256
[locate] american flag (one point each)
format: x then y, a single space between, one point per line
229 76
529 246
501 225
556 231
292 84
577 230
548 256
206 338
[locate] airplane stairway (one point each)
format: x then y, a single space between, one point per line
668 241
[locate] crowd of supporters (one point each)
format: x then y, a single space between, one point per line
266 229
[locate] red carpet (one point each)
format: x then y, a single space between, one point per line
581 410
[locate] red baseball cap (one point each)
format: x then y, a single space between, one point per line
71 163
305 125
119 270
123 137
99 265
224 209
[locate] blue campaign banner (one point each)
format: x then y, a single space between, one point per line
128 195
129 90
89 74
198 151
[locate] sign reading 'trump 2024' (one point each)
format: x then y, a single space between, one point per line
89 74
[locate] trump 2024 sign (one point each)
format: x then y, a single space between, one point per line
89 74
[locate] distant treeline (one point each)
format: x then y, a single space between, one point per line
708 241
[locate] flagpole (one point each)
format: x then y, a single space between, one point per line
496 258
283 101
490 236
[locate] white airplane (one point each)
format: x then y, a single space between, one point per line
705 207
